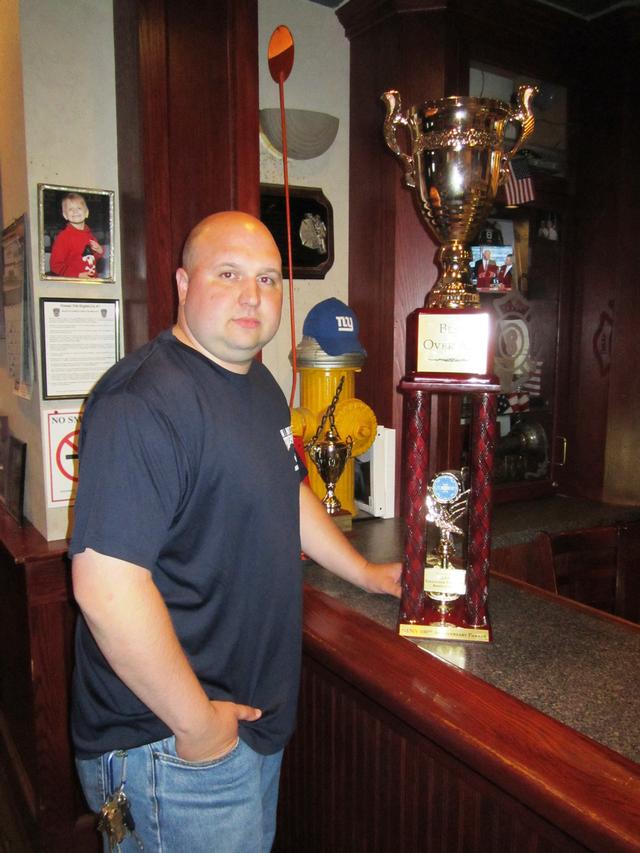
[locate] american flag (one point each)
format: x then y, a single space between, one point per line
519 185
519 401
533 383
513 402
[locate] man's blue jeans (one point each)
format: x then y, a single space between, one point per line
222 806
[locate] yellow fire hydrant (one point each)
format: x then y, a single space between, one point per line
330 350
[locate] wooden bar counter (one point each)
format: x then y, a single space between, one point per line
531 743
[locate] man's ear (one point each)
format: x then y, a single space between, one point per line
182 280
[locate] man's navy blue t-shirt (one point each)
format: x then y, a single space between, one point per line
189 470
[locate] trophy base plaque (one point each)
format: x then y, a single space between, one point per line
444 615
448 630
447 344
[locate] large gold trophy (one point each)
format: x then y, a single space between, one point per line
458 154
458 157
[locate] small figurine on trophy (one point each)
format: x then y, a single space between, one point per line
330 454
445 574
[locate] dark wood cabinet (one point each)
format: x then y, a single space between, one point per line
37 615
583 288
530 449
596 566
602 384
411 48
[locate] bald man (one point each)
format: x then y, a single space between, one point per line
189 521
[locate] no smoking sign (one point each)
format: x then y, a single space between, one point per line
67 456
62 432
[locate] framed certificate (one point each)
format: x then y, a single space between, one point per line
80 341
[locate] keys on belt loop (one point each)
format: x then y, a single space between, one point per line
115 818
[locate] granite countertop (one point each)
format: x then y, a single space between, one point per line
567 662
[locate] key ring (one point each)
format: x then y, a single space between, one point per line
123 776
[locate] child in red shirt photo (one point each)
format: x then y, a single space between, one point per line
75 250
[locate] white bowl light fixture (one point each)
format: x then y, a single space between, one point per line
309 133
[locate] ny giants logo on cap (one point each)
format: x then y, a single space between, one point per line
345 324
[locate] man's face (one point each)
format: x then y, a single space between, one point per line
231 294
486 254
75 211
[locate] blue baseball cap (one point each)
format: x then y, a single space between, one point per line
334 326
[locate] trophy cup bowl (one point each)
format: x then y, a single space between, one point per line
459 156
330 456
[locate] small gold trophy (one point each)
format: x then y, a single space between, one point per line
330 455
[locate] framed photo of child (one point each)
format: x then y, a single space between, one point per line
75 234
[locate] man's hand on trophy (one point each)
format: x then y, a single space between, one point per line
382 578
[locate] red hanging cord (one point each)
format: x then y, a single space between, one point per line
280 57
285 168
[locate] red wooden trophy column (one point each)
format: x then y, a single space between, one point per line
472 614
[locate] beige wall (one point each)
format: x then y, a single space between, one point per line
57 126
319 81
23 415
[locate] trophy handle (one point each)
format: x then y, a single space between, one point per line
395 117
523 115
